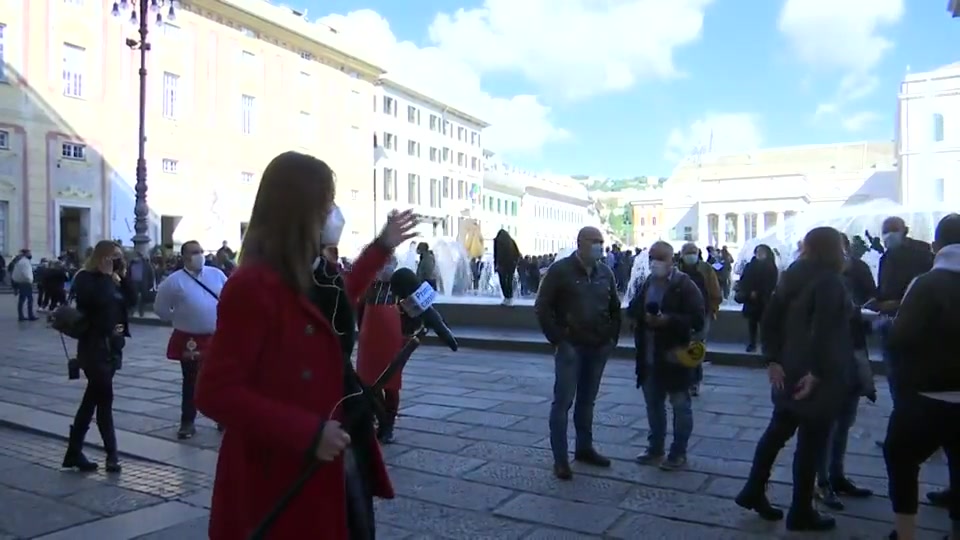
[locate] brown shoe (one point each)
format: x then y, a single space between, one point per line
562 471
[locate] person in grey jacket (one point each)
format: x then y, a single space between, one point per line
578 309
809 348
427 265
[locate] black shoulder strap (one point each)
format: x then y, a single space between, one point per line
202 284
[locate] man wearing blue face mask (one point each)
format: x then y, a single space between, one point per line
578 309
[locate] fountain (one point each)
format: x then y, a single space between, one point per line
853 221
639 273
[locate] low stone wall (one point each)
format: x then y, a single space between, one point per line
729 327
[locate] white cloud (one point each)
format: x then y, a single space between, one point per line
519 123
859 121
715 133
569 49
839 35
845 37
573 48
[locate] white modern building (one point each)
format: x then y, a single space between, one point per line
501 200
928 137
731 199
553 211
428 158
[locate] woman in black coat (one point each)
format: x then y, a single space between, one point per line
104 294
506 257
756 284
809 348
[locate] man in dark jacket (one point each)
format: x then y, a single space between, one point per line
579 312
903 259
668 311
926 413
506 257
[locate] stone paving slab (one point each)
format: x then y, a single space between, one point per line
472 458
42 501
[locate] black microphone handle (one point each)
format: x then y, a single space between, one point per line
260 533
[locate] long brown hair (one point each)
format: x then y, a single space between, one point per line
294 198
824 245
105 249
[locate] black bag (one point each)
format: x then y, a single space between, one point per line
69 321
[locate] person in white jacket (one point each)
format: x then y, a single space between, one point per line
22 278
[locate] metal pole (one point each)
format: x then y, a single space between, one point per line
141 212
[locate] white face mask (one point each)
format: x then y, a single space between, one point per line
197 261
333 228
691 258
660 269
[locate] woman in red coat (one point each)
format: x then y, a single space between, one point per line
277 367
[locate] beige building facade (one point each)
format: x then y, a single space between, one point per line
231 84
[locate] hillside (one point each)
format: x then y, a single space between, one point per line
594 183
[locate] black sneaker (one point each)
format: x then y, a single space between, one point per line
187 431
825 494
592 457
674 463
650 457
845 486
939 498
810 521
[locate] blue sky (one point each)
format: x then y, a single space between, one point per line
627 87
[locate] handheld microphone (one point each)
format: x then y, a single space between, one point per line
417 302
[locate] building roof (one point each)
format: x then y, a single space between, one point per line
310 37
388 82
807 159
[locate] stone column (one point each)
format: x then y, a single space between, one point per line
761 224
780 220
703 222
740 232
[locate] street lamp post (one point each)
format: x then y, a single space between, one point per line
140 11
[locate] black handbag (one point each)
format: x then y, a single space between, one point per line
69 321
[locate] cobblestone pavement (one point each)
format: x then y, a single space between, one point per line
471 459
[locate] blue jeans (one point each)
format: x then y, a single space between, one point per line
577 371
24 296
656 398
831 466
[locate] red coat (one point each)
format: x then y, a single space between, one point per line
381 336
271 374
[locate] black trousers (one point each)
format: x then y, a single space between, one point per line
811 444
98 398
917 428
753 325
188 409
506 283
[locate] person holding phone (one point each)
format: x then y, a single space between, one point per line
809 349
104 294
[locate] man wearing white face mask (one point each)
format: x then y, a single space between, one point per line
705 278
668 312
188 299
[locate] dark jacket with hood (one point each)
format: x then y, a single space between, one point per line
929 316
683 305
898 267
806 328
506 254
760 277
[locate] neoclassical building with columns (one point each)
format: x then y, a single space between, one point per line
730 199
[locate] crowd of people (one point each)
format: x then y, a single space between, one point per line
266 354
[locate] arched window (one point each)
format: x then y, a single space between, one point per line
937 127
